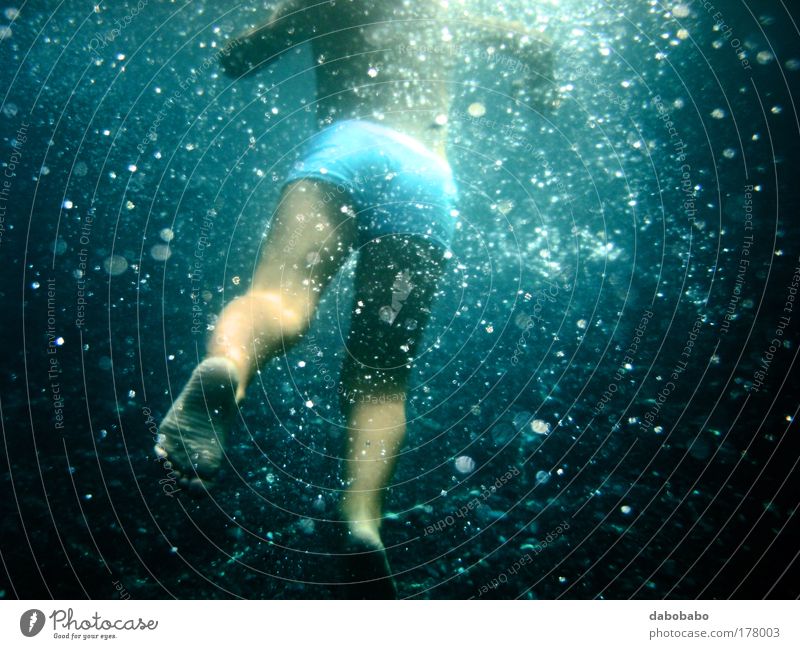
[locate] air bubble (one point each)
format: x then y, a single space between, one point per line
476 109
464 464
160 252
681 10
540 427
764 57
115 264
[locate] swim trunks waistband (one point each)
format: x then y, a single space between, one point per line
396 183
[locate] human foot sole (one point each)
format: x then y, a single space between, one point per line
195 429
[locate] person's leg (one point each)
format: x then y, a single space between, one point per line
395 283
312 233
310 236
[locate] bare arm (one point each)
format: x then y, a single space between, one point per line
288 24
513 39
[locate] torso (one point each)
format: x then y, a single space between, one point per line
388 63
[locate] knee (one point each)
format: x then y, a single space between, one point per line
275 311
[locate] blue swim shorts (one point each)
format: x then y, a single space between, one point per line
397 185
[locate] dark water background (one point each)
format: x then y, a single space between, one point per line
577 217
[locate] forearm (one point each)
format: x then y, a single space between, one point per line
511 40
262 42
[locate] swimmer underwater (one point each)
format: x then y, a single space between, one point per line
382 109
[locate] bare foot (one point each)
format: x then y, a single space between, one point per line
367 567
194 431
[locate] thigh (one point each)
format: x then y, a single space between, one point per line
311 234
395 282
